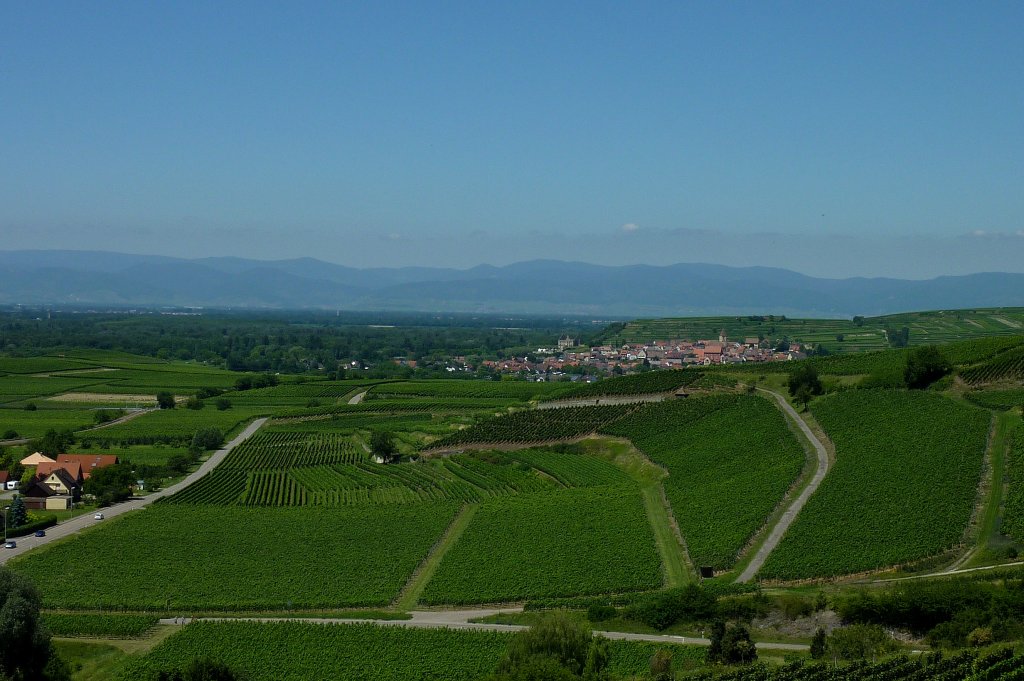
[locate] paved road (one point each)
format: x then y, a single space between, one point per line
459 619
356 399
775 536
75 525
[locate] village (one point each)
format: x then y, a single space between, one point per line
587 363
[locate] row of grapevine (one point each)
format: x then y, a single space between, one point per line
303 650
272 488
288 449
903 487
646 383
219 487
1006 366
1013 514
105 625
505 390
537 426
1001 665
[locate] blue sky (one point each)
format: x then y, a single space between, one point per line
831 138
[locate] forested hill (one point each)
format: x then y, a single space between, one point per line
540 286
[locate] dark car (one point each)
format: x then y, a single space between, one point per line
40 533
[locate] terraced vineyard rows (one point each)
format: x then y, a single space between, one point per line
98 625
1008 365
997 399
537 426
730 458
563 543
903 486
287 450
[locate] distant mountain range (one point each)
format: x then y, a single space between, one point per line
539 286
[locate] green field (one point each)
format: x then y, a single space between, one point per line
730 460
903 486
567 543
182 558
175 424
1013 515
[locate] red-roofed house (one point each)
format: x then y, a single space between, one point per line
88 462
72 468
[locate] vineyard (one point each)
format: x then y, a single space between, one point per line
564 543
1013 515
292 469
298 651
903 486
177 557
1005 366
998 665
649 382
98 625
730 460
997 399
536 425
521 391
174 425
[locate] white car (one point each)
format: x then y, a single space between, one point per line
11 545
97 516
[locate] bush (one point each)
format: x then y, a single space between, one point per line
195 403
207 438
165 400
223 403
662 609
30 406
600 613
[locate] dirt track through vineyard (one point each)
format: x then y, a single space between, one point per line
787 518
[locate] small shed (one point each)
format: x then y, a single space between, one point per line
58 502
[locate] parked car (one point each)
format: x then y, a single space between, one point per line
97 516
40 533
11 545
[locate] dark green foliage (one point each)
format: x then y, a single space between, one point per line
25 649
206 439
731 644
860 642
165 399
107 415
17 516
818 643
382 444
804 380
634 384
661 665
30 406
1013 515
111 484
195 402
663 609
201 669
223 403
52 443
898 338
557 647
925 365
598 612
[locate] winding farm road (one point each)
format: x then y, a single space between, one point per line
459 619
777 532
356 399
75 525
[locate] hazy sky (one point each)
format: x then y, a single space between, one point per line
831 138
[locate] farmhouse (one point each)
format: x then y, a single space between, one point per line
36 459
39 496
88 462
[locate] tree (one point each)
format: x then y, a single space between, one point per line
661 665
731 644
52 443
223 403
205 439
25 649
17 516
925 365
200 669
557 647
111 484
859 641
195 403
818 644
165 399
805 377
382 444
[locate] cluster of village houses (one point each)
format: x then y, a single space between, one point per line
569 357
57 483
